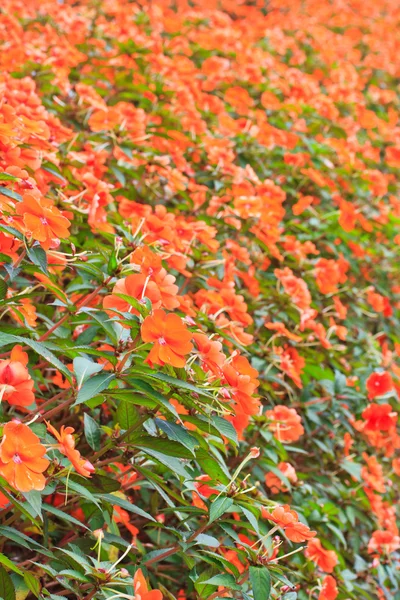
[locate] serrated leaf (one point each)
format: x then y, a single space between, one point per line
218 507
94 386
225 428
178 433
92 432
38 257
260 581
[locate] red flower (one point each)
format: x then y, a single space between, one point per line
379 384
379 417
329 589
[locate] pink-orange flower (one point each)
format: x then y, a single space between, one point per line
276 484
285 423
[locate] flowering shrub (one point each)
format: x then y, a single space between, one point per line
200 299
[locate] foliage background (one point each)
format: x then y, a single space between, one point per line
240 161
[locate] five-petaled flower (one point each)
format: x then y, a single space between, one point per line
170 338
22 461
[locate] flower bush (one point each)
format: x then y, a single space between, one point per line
200 299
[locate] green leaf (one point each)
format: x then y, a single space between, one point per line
127 415
3 288
39 347
218 507
225 428
10 194
7 177
38 257
21 507
178 433
178 383
354 469
260 581
34 500
126 506
166 447
224 580
63 515
112 263
85 368
154 394
210 465
93 386
7 590
32 583
9 564
92 432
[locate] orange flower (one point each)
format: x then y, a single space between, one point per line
329 589
324 559
288 520
379 384
383 542
170 338
286 423
43 221
276 484
21 458
136 286
141 590
66 445
16 385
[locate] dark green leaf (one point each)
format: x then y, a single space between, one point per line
260 581
92 432
93 386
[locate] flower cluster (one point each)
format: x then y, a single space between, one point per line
200 299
